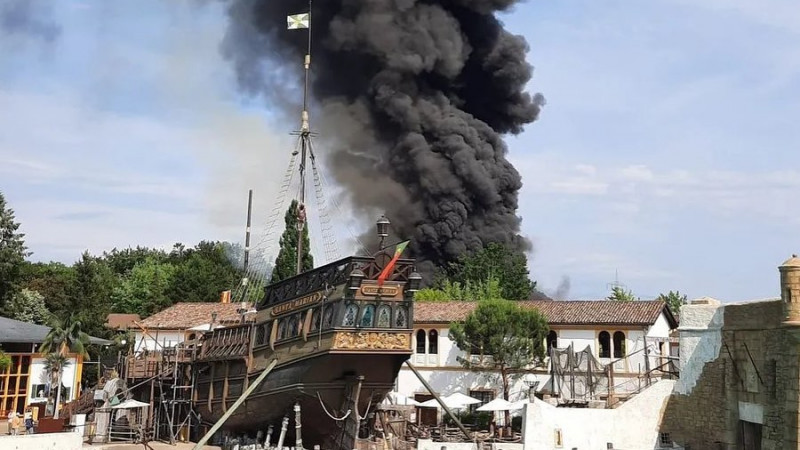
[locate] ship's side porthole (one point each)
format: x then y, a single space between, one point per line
350 316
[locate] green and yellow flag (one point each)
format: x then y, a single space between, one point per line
388 269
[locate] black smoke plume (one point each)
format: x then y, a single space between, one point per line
415 98
28 18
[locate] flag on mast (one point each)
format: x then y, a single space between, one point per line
390 266
297 21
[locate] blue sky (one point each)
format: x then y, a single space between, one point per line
666 153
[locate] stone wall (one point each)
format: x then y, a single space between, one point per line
754 378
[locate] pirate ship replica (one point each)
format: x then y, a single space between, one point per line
327 343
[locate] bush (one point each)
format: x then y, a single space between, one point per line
5 361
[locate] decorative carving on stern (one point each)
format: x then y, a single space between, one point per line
371 340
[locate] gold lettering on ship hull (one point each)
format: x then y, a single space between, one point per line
301 302
389 291
371 340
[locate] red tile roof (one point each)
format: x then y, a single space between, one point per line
600 312
121 321
182 316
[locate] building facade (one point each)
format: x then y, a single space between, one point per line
614 333
740 366
26 382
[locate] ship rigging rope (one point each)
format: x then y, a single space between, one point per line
328 237
256 272
325 184
321 403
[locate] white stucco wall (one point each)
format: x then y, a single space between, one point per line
40 376
48 441
632 426
700 341
163 338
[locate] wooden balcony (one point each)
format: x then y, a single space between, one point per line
227 343
152 363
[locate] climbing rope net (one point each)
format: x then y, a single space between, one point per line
577 376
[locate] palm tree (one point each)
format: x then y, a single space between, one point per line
54 364
65 336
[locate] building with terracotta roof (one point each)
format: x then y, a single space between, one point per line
614 333
186 321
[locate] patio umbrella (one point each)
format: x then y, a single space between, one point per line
500 404
453 401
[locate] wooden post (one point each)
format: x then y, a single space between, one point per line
268 440
236 405
610 398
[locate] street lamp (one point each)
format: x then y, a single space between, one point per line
383 228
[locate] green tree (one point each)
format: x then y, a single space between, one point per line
55 281
501 336
145 290
65 336
12 252
28 306
286 262
495 261
674 300
619 294
201 273
54 364
122 262
90 298
470 291
5 360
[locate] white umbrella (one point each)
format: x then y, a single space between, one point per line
499 404
456 400
130 404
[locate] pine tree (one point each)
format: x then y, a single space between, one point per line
286 262
12 252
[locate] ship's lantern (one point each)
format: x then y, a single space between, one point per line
354 282
414 282
383 227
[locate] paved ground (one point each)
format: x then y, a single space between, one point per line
153 445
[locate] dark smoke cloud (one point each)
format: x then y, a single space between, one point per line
415 98
28 18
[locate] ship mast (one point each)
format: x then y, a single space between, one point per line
305 145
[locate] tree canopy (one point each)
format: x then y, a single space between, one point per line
619 294
674 300
28 306
12 252
501 336
286 262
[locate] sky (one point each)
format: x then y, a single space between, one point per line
665 158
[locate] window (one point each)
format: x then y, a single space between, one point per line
282 328
619 344
315 316
665 439
433 342
384 316
421 341
350 316
401 317
552 340
327 317
485 396
292 326
604 339
368 316
260 333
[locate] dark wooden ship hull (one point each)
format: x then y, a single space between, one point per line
330 380
338 339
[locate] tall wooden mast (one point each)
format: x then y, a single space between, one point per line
304 135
